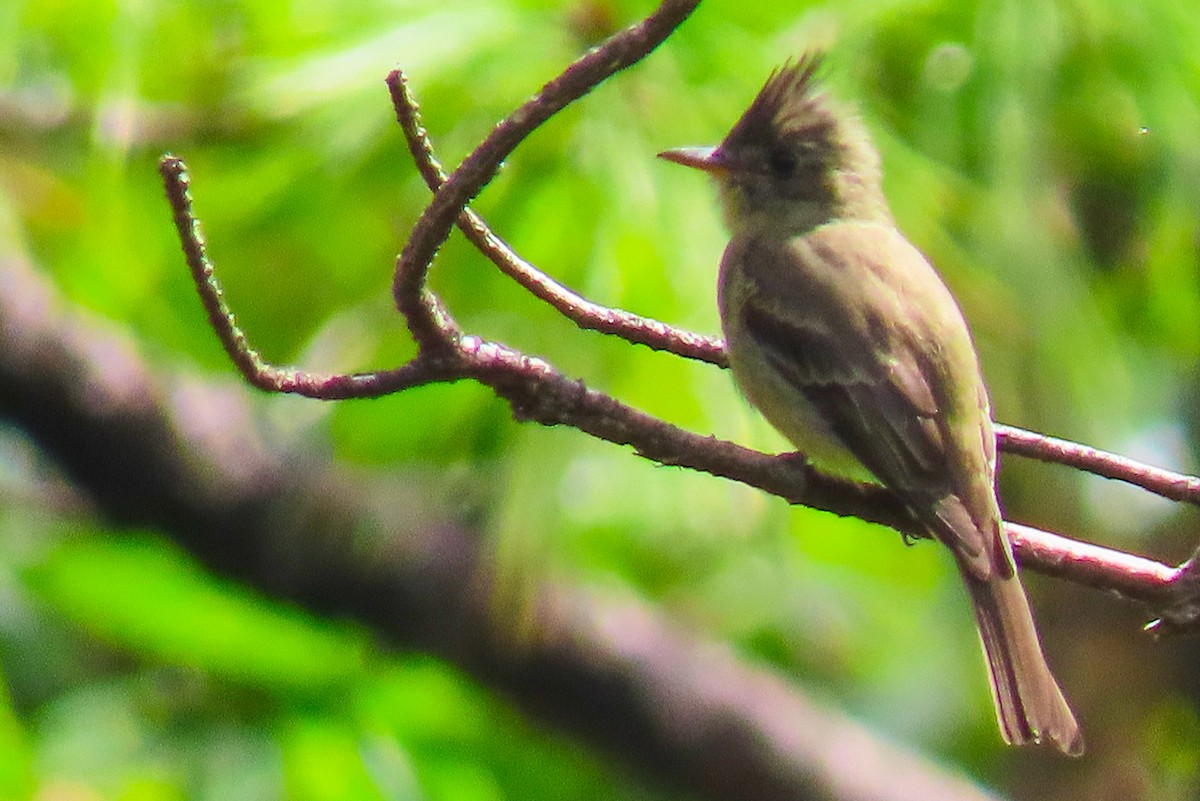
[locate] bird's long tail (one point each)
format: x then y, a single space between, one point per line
1029 703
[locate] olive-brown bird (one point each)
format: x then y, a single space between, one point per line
845 338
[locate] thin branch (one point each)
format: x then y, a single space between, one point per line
628 47
538 392
1174 486
255 369
661 336
1130 576
576 308
423 370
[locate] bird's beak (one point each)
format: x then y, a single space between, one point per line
708 159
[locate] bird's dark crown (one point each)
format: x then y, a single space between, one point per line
796 154
788 111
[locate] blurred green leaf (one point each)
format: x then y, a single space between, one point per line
143 595
16 765
323 762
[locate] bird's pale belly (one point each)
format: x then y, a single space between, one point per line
790 413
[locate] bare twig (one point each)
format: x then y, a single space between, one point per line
538 392
421 370
581 311
1174 486
1133 577
660 336
430 328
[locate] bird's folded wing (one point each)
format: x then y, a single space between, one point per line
856 361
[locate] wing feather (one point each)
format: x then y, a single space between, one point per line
854 336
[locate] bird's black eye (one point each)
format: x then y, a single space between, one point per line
782 162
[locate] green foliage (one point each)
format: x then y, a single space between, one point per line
1044 156
198 689
133 591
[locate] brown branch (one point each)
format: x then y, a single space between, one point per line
1133 577
424 369
538 392
429 326
1174 486
579 310
661 336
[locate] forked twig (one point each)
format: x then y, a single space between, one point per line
327 386
538 392
576 308
660 336
430 328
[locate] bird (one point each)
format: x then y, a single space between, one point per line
846 339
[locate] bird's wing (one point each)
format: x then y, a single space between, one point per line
855 319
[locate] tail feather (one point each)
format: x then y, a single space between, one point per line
1029 704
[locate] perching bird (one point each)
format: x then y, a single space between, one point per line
845 338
